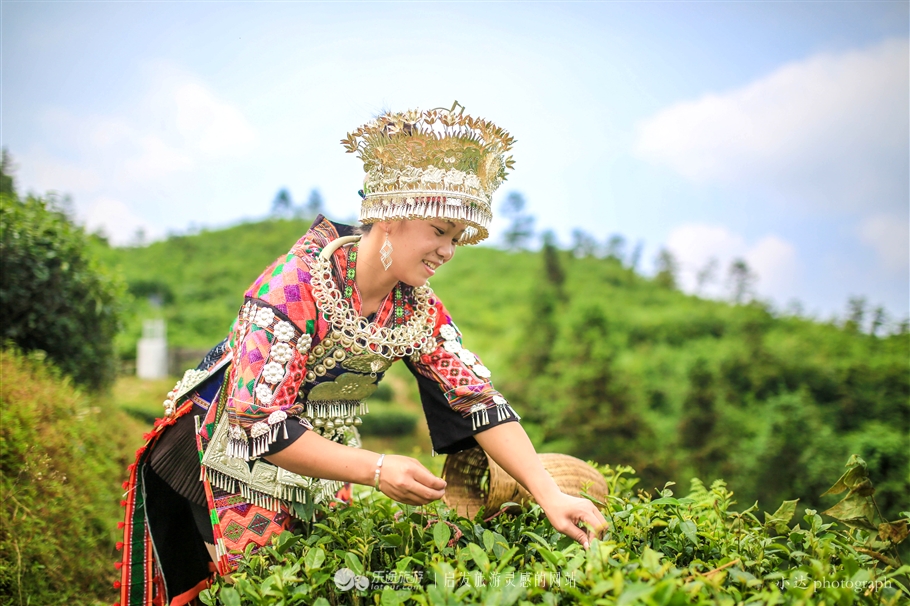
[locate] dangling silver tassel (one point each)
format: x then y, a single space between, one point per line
502 408
479 416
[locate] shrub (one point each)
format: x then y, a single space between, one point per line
55 296
383 393
669 550
388 423
62 455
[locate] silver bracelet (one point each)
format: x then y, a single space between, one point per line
378 469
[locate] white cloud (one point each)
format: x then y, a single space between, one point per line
209 124
889 235
830 131
139 156
42 171
698 246
694 244
151 158
110 131
774 261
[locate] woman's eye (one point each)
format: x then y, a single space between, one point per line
439 232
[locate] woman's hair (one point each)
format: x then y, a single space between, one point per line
363 229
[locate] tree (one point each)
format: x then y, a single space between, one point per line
7 168
635 257
54 293
314 204
667 269
856 313
616 247
795 308
741 281
139 238
553 269
706 275
597 420
521 226
282 204
532 386
583 244
696 426
879 319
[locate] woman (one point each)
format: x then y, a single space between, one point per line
267 423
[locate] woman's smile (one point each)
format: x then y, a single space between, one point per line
431 266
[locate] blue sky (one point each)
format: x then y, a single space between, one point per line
771 131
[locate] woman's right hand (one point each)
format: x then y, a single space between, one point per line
406 480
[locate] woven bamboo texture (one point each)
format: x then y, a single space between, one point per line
467 492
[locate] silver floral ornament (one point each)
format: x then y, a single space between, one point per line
467 357
277 417
273 373
281 352
245 311
448 332
454 177
284 331
303 344
264 317
481 371
264 393
452 346
259 429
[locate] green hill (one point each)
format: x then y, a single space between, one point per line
607 364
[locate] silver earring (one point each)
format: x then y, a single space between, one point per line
385 254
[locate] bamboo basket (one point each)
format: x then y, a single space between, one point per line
466 490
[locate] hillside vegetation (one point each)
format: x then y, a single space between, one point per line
602 363
609 365
63 455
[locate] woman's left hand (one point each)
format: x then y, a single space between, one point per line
575 517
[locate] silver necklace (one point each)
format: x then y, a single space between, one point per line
351 329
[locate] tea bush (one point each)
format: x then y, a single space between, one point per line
669 550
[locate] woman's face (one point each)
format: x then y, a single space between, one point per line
421 246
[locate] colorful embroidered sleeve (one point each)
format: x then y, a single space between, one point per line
458 398
271 341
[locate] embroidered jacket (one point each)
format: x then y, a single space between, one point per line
286 367
282 371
